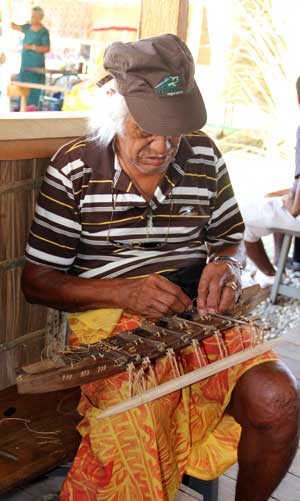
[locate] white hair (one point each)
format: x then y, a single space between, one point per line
107 116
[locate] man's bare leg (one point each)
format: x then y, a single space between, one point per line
265 402
256 252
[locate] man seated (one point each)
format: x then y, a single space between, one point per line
276 212
136 221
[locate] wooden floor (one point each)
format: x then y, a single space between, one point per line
47 488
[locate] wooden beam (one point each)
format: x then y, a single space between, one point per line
31 148
42 124
169 16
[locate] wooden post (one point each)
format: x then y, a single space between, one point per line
16 91
169 16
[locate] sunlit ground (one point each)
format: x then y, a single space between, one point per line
253 176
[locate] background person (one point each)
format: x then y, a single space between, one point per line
119 213
273 212
36 44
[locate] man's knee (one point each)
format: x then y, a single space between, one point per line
267 397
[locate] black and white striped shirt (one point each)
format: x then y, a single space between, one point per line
91 221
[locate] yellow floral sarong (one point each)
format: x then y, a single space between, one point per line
142 454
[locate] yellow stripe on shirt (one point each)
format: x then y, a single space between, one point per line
100 181
56 201
229 229
51 242
75 146
199 175
114 222
223 189
155 273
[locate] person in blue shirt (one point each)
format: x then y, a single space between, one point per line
295 261
36 44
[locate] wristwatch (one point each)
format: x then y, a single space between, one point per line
230 259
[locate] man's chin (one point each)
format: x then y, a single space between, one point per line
152 169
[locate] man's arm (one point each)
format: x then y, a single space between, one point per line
296 202
37 48
16 27
152 297
292 203
220 283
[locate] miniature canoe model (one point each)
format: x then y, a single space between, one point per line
86 363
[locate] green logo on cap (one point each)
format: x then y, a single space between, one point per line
169 86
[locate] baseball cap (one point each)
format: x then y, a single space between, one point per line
156 77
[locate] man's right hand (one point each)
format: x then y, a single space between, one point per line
153 297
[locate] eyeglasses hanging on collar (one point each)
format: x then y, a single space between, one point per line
149 228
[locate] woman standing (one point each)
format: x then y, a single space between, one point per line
36 44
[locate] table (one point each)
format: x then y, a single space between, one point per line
52 72
38 433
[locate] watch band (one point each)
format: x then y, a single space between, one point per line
230 259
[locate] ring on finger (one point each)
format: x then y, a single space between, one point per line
233 285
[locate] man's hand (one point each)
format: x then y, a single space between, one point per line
153 297
28 46
214 296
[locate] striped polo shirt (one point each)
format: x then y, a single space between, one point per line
91 221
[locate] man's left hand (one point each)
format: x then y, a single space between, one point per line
219 288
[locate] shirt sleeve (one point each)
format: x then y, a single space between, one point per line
226 224
56 228
25 27
45 38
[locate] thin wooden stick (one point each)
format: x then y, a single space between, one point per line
190 378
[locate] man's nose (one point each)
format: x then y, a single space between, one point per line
161 144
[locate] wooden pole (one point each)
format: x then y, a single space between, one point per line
169 16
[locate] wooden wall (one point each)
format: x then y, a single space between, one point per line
22 164
21 324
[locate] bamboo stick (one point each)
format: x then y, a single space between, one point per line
10 345
17 186
189 379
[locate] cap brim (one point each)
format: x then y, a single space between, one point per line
168 116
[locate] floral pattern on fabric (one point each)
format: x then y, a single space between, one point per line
141 455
